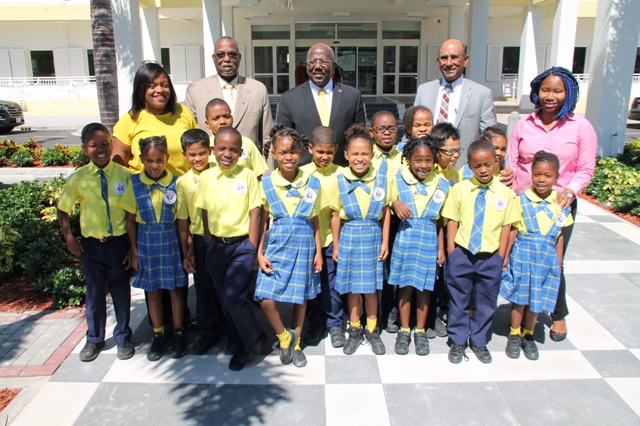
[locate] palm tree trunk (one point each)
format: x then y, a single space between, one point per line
104 61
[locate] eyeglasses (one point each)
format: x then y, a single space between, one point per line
231 55
323 62
451 151
382 129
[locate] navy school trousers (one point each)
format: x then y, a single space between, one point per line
230 267
328 305
470 275
104 271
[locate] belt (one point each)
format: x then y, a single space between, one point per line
106 239
229 240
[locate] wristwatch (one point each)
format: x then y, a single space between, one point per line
568 194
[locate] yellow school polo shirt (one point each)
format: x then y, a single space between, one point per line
171 126
129 203
544 222
291 203
249 158
501 209
325 175
228 195
419 200
449 173
187 188
333 192
393 161
84 185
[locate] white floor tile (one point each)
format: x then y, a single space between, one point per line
356 405
434 368
270 370
589 209
601 266
584 219
189 369
586 333
629 391
552 365
56 404
636 352
625 229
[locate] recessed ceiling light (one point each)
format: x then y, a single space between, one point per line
341 14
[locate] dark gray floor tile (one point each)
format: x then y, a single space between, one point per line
145 404
352 369
593 240
621 363
634 278
566 402
602 289
422 404
74 370
237 405
606 218
621 321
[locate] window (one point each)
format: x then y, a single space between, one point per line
401 30
321 31
400 69
358 30
636 68
579 60
42 63
91 67
510 59
270 32
275 78
165 59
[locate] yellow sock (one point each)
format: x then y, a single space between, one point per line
514 331
297 346
527 332
405 330
159 330
284 338
356 324
372 324
420 330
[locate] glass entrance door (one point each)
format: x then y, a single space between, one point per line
399 69
271 65
357 67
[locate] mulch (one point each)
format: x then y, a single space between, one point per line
626 216
6 396
17 295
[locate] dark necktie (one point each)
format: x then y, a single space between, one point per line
105 197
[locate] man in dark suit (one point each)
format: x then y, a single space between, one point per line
320 101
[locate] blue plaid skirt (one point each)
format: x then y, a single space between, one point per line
358 269
533 276
415 253
291 248
159 258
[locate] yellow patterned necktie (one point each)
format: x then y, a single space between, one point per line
323 107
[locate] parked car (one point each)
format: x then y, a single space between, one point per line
634 111
10 116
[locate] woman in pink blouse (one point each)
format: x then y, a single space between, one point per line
553 127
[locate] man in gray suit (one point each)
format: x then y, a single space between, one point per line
458 100
246 97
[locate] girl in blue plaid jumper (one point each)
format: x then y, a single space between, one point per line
419 245
532 278
290 268
360 197
150 202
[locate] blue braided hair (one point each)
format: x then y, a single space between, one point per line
570 85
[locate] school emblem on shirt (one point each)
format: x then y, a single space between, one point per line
244 154
119 188
399 169
309 195
378 194
240 187
561 220
452 181
170 197
195 179
501 203
438 197
299 184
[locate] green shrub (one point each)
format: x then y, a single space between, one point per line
7 149
8 239
54 157
22 158
65 286
617 184
631 154
34 147
78 157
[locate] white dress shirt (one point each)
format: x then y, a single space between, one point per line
329 95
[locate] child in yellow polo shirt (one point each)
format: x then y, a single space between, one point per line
480 212
360 197
104 248
209 315
230 199
325 311
218 114
498 138
150 202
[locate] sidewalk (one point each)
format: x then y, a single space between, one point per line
593 377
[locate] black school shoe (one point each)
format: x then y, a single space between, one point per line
337 337
422 343
392 323
126 351
286 355
373 337
440 327
254 350
90 351
235 364
314 334
157 346
299 358
456 353
530 348
403 340
179 347
202 345
513 346
482 353
353 340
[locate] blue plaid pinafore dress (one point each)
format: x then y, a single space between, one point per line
533 275
158 249
358 269
415 250
291 248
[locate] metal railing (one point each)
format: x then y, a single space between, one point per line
47 88
510 84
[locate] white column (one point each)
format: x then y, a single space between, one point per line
563 40
211 31
615 40
456 22
528 66
126 32
227 21
151 33
477 40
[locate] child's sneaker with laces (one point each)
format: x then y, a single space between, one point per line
513 346
530 348
373 337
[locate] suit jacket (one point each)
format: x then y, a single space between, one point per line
252 112
475 110
297 109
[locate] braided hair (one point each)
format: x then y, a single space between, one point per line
571 87
414 143
409 116
357 131
153 142
300 142
492 132
546 157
